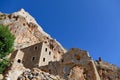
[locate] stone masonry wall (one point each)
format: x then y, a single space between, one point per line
74 58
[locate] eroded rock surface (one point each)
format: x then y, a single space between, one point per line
107 71
27 32
76 73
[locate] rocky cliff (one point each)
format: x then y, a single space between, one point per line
74 64
27 31
107 71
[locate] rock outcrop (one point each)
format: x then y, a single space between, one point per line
27 32
107 71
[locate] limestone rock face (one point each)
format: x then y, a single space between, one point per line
76 74
27 31
107 71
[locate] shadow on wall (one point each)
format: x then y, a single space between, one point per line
31 56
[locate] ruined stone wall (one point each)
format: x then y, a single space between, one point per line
82 58
16 58
16 67
74 58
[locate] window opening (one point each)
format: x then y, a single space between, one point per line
46 49
62 60
33 58
49 53
43 59
36 47
19 61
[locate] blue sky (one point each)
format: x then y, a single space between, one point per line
92 25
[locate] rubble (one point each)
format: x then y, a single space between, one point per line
37 74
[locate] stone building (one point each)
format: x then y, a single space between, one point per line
33 56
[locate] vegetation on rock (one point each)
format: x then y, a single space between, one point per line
3 65
6 41
6 46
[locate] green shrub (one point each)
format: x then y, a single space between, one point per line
6 46
3 65
6 41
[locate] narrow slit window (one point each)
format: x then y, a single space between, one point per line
46 49
43 59
49 52
33 58
62 60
